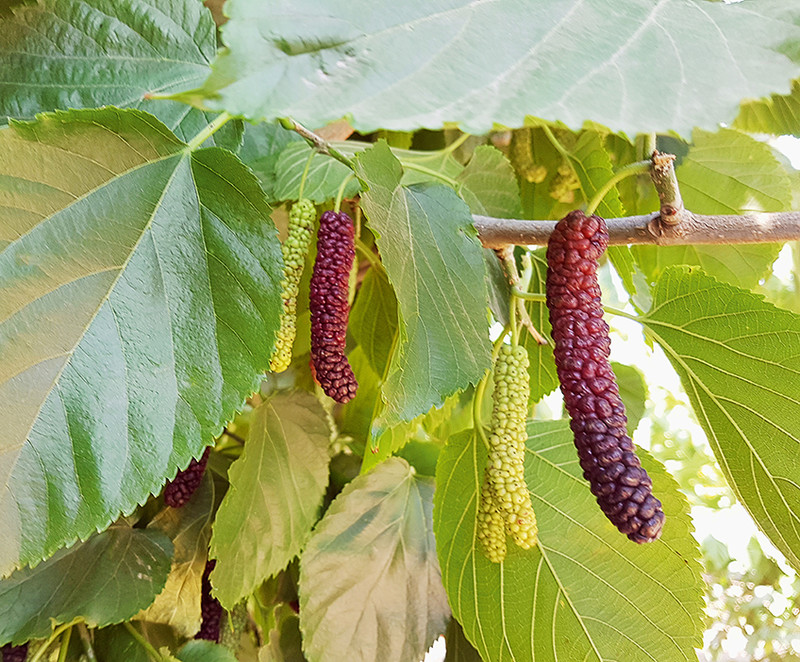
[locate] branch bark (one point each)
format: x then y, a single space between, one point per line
650 229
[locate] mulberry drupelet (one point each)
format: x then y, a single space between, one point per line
622 487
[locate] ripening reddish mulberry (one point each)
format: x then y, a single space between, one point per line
210 608
15 653
622 487
330 309
294 249
178 492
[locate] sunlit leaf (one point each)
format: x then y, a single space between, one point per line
739 361
404 67
586 592
276 490
139 298
371 564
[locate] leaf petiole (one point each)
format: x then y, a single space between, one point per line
218 122
636 168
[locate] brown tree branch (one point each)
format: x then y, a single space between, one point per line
650 229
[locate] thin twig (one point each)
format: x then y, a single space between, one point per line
758 228
317 142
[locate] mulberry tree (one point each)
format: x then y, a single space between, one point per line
330 329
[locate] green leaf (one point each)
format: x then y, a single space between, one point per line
542 367
105 580
489 185
325 175
593 167
139 298
205 651
276 490
586 592
435 264
115 644
285 642
739 361
261 148
373 319
189 528
61 54
420 65
371 563
633 391
726 172
458 648
777 114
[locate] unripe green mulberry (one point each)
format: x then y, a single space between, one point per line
563 185
294 249
522 157
505 505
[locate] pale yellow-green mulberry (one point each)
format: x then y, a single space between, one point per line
505 503
294 249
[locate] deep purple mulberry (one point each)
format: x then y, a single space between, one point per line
15 653
329 306
178 492
210 607
622 487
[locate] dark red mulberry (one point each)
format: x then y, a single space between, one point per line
178 492
607 457
329 306
210 608
15 653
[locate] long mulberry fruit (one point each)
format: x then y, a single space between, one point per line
505 503
15 653
329 306
210 608
178 491
622 487
294 249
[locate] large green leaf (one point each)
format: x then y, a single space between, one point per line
276 490
726 172
586 592
413 65
105 580
739 360
435 264
369 580
189 528
778 114
139 297
61 54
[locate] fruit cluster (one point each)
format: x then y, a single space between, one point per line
329 305
178 491
622 487
294 249
505 503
